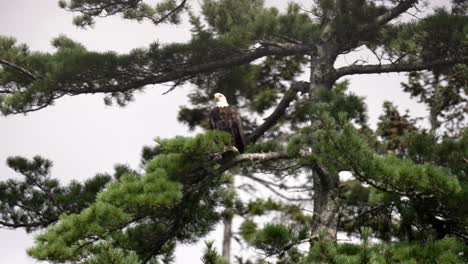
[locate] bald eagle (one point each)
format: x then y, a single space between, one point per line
226 117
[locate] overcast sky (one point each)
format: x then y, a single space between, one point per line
82 136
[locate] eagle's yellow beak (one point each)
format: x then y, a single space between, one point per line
216 97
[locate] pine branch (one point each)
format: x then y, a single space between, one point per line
18 68
193 70
91 9
45 189
115 82
391 14
290 245
273 118
270 185
397 67
26 225
192 191
169 14
269 156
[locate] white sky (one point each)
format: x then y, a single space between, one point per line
82 136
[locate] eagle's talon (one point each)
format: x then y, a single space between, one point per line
216 156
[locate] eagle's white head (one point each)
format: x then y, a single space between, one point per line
220 100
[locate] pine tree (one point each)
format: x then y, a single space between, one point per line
408 182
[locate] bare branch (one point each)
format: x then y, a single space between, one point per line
286 38
269 156
391 14
176 83
18 68
271 120
397 67
271 43
269 186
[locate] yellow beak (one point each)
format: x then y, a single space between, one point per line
216 97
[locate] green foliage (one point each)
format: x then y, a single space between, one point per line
272 238
210 255
444 94
137 211
334 102
248 230
339 143
167 11
193 117
353 15
52 72
408 183
437 41
230 18
337 102
107 254
441 35
437 36
323 251
38 200
431 188
233 25
449 152
269 146
260 207
241 22
442 251
393 127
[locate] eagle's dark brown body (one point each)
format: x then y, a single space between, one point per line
228 119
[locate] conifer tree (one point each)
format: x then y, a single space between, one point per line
408 182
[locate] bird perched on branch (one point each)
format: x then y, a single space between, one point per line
226 117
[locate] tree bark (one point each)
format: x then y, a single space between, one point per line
396 67
326 204
227 238
434 105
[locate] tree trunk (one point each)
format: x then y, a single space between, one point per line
227 238
434 108
326 204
